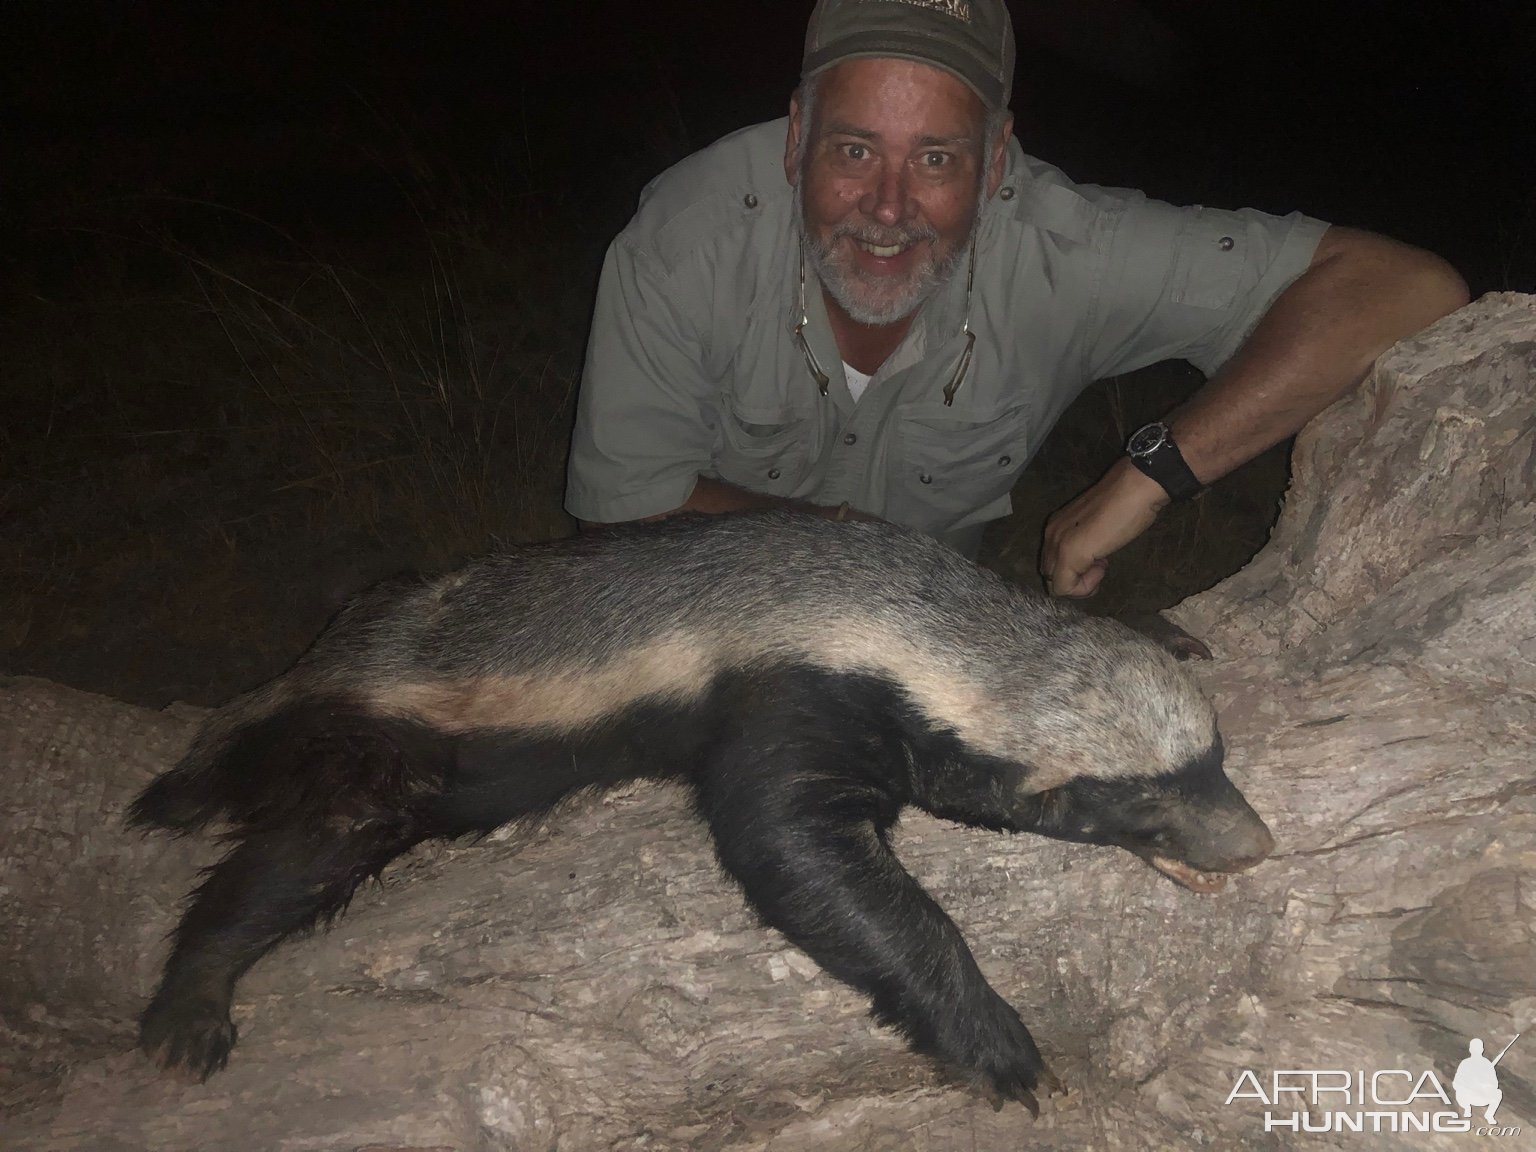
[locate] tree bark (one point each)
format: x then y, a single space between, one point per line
595 983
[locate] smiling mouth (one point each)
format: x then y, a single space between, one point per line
885 251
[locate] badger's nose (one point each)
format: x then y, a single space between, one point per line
1243 863
1264 842
1246 842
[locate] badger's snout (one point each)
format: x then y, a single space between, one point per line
1207 840
1225 837
1192 825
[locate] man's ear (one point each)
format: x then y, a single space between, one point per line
792 140
997 159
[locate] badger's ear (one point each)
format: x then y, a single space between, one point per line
1040 778
1040 811
1053 806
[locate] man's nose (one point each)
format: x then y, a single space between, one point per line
887 201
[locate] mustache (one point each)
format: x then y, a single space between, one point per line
885 237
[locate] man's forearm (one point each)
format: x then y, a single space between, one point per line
1362 294
713 497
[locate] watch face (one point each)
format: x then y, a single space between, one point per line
1147 440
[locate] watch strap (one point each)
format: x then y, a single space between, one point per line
1153 452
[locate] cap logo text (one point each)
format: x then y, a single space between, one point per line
959 9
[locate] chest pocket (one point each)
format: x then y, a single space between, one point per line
1211 257
949 465
763 450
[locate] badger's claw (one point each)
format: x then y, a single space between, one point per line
997 1098
1052 1083
193 1037
1167 635
1021 1087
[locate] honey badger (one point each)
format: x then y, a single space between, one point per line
807 680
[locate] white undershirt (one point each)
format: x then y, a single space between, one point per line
857 381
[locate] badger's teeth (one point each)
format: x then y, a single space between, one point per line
1191 878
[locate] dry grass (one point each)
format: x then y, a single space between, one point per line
204 456
414 423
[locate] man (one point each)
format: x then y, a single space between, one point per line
893 329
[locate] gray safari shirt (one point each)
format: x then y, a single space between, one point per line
693 367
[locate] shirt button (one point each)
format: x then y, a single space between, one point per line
1225 243
1004 461
773 473
850 439
749 200
1005 193
925 477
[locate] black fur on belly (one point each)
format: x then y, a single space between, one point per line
799 773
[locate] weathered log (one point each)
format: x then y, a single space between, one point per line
596 983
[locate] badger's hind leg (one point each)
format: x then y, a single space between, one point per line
297 866
799 804
273 884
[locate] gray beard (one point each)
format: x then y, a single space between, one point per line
882 300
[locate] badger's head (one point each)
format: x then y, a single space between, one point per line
1129 755
1190 823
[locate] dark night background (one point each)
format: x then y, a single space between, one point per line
234 237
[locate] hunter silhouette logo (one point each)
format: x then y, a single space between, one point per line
1477 1080
1385 1100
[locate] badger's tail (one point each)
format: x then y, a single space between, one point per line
280 757
231 744
180 801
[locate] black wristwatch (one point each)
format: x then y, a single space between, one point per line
1153 451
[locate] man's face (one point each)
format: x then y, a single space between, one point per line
891 170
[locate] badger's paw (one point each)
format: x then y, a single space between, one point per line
1005 1064
191 1037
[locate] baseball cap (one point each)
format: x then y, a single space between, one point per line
971 38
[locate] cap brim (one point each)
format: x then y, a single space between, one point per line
918 48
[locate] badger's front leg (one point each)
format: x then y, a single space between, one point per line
799 804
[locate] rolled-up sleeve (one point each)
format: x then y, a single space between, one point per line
1189 283
644 415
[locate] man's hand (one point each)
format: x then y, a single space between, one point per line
1080 536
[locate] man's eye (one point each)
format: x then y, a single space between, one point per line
935 159
855 151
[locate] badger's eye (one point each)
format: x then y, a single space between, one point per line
1146 808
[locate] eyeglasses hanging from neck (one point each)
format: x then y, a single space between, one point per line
962 367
